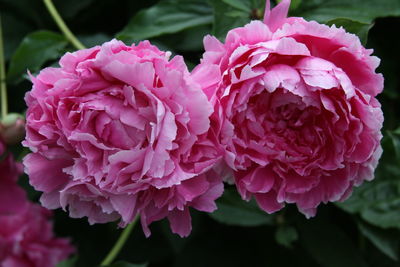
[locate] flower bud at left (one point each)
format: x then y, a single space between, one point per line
12 128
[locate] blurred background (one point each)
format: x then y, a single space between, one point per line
363 231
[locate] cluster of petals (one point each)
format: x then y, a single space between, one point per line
122 131
26 232
294 109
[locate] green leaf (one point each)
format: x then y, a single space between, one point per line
385 240
328 244
239 4
286 235
378 201
94 39
358 28
227 15
187 40
127 264
363 11
71 262
294 4
232 210
35 50
166 17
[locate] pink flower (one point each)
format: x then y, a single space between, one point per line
120 131
26 234
12 197
27 240
295 109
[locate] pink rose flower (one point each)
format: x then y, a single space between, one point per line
120 131
12 197
27 239
295 109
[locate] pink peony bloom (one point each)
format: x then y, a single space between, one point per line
27 240
120 131
295 109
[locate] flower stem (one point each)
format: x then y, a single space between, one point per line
61 24
119 244
3 87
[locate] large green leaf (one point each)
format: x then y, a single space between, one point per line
35 50
359 28
166 17
229 15
239 5
186 40
364 11
387 241
71 262
378 201
232 210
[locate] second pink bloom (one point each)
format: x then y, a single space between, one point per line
295 109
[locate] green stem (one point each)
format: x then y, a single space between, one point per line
61 24
119 244
3 87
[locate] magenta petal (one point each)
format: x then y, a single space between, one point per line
268 202
259 180
12 198
46 175
181 222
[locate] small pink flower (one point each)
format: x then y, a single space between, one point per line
120 131
295 109
27 239
26 234
12 197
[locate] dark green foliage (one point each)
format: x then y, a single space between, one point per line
35 49
169 16
126 264
362 231
232 210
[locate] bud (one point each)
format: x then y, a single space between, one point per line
12 128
